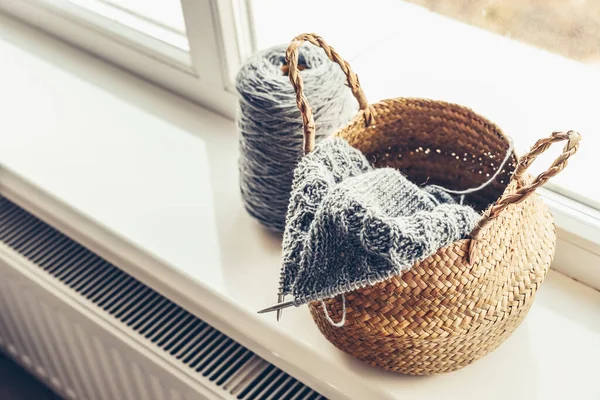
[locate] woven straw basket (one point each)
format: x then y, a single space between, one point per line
462 302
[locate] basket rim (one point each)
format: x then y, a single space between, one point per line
359 118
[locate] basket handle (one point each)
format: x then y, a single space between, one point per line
523 192
308 120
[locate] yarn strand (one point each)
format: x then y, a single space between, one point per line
509 152
331 321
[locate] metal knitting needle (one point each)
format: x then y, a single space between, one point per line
280 298
277 307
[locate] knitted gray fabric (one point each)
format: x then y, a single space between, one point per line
349 225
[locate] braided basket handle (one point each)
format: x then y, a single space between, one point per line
308 120
523 192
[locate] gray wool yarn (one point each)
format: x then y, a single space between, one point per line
350 225
270 124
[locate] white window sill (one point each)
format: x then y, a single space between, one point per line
149 181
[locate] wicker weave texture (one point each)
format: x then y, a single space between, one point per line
462 302
447 312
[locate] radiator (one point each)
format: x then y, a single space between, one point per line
91 331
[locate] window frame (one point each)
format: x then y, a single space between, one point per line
217 45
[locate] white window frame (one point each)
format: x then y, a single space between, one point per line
217 45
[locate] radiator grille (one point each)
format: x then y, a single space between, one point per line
233 369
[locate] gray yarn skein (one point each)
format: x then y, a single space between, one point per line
270 125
